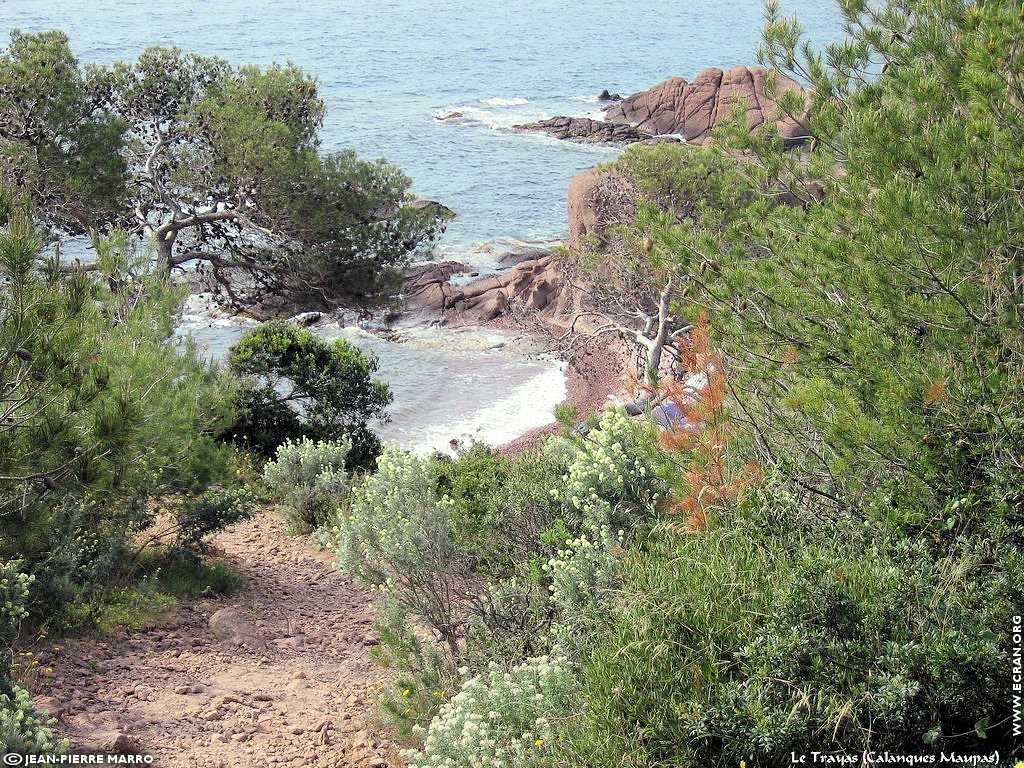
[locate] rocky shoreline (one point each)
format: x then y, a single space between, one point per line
677 110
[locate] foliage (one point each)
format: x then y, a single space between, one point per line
21 729
500 504
612 481
14 589
398 536
295 384
210 512
101 414
213 163
56 139
182 574
312 482
860 597
501 718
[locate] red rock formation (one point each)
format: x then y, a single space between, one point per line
534 285
692 110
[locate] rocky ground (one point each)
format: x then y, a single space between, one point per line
278 674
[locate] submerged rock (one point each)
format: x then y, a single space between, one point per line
585 129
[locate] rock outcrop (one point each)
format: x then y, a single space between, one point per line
585 129
685 111
583 217
535 285
692 110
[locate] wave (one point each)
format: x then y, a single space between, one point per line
502 114
498 101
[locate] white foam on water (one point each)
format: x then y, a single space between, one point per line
498 101
527 406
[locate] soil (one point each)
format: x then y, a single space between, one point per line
294 686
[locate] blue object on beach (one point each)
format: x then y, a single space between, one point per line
670 415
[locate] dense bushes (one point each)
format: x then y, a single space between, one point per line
501 719
22 729
828 558
103 415
294 384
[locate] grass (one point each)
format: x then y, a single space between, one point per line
159 579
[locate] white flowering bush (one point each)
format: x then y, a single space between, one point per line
610 482
398 537
311 480
501 719
583 572
22 730
397 522
14 587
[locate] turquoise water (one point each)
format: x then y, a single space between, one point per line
387 68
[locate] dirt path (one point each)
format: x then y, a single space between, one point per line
288 682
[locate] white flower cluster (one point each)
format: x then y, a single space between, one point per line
584 571
397 523
302 461
14 586
608 483
501 719
311 480
21 729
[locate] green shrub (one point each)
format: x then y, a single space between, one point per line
312 481
21 729
500 504
14 590
212 511
398 536
295 384
501 718
612 479
102 415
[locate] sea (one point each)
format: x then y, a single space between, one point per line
392 73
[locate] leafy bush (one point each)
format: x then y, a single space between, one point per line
102 414
312 481
500 718
212 511
295 384
14 589
22 732
398 536
500 504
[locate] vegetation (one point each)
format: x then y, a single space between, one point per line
103 419
312 481
823 551
214 164
294 384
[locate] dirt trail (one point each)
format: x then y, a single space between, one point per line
294 684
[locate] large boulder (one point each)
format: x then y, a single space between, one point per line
534 284
692 110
